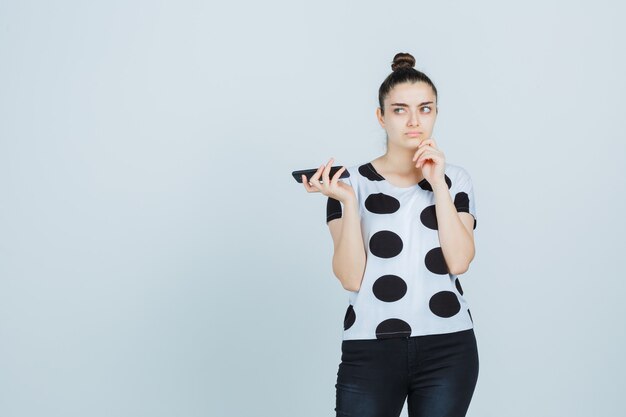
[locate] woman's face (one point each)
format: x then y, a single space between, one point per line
409 107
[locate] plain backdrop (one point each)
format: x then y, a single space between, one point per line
158 259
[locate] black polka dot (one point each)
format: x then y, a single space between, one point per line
349 318
470 314
425 185
385 244
458 286
389 288
444 304
367 170
381 203
393 328
428 217
435 262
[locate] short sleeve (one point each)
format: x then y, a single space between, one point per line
464 200
334 208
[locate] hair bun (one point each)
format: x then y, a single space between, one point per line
402 60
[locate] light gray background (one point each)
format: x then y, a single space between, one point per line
158 259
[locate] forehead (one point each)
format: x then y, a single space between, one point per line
411 94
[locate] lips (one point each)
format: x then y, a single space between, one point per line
414 133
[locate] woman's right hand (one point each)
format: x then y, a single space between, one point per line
333 188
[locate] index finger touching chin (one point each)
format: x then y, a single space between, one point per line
430 141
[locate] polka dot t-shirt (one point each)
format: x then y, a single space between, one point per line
406 288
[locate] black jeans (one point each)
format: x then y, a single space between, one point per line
437 373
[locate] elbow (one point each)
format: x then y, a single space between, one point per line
462 266
459 269
351 283
350 276
351 288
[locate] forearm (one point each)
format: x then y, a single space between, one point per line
349 256
456 242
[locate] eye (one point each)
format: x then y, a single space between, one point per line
396 109
427 107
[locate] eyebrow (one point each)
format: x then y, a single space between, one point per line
406 105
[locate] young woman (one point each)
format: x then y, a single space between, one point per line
403 230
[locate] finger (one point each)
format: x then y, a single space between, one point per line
428 142
337 175
432 143
422 161
424 145
419 152
315 177
326 171
434 156
424 157
308 187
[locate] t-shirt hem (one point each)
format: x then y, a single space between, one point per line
422 333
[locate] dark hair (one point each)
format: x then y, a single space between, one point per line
403 71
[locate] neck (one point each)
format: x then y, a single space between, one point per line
400 162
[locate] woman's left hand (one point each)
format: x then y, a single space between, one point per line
431 161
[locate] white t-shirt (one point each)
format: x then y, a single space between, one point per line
406 288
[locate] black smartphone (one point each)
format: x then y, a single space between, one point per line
309 173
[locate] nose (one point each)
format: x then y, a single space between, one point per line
414 119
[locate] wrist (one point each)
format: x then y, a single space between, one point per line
439 186
350 201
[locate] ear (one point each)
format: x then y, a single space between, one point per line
379 116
